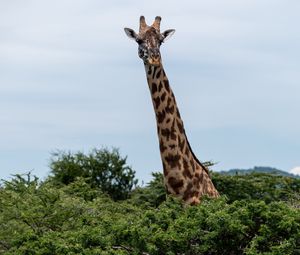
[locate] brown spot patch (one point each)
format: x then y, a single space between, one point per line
187 173
172 146
173 124
169 100
163 96
173 160
200 178
153 88
168 133
167 85
165 169
188 191
186 170
162 147
156 102
160 86
175 184
173 131
160 116
192 162
195 181
158 73
181 143
185 164
170 109
180 126
187 151
173 135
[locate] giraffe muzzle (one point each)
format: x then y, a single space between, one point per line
154 58
154 61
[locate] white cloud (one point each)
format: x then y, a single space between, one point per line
295 170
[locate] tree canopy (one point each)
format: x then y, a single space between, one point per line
103 169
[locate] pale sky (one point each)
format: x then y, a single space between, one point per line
70 79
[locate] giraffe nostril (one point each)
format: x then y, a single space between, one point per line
155 55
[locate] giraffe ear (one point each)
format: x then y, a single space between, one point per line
130 33
167 34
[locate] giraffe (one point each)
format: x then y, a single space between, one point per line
184 175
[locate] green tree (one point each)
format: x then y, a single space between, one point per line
103 169
257 186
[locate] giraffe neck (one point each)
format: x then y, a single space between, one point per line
172 139
183 172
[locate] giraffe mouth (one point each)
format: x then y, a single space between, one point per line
154 61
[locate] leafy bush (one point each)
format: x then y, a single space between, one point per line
260 186
215 227
103 169
253 216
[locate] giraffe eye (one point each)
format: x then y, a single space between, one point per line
138 40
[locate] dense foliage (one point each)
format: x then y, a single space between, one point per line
103 169
258 186
256 214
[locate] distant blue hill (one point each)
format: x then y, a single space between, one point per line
258 169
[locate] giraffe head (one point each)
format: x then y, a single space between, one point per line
149 40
